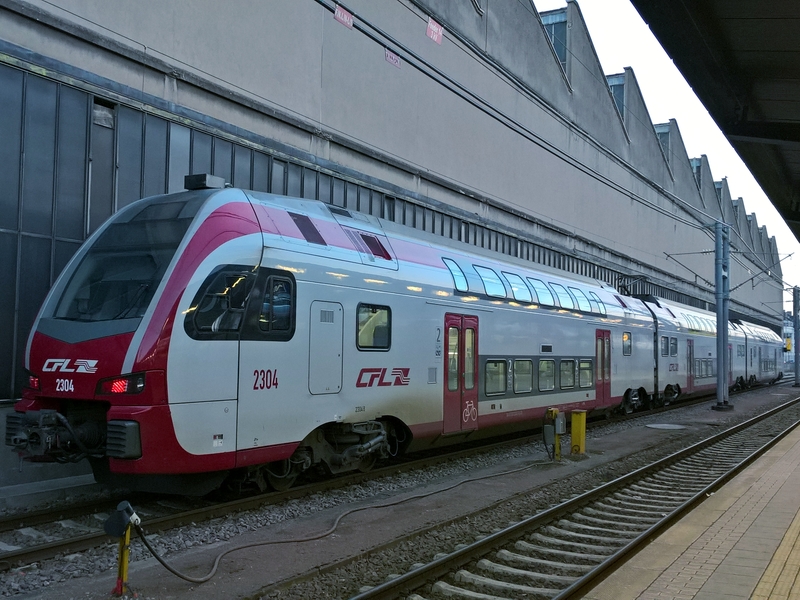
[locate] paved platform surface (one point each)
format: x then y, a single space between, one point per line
742 542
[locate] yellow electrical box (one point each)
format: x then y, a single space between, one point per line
578 418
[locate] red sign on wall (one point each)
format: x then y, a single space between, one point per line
435 31
344 17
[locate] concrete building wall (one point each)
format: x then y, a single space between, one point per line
486 126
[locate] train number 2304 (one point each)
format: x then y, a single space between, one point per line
265 380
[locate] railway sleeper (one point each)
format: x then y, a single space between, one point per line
479 581
579 537
651 503
688 476
572 546
605 522
615 517
558 568
689 469
569 525
585 558
447 590
658 486
627 510
658 492
521 575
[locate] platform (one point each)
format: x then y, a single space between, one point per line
741 542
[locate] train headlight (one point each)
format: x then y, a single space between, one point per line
126 384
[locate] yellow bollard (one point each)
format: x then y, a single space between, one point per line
578 418
119 525
122 569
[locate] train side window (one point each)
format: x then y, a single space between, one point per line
567 374
563 296
459 280
585 371
595 299
495 372
583 301
740 350
374 327
627 345
491 282
523 376
276 307
547 375
542 291
218 308
470 351
518 287
673 346
664 345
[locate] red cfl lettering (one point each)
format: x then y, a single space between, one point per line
376 376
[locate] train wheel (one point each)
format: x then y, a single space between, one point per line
630 401
670 395
367 462
278 482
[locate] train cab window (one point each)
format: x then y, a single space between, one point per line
664 345
585 371
673 346
491 282
459 280
627 345
374 327
523 376
518 287
583 301
495 372
563 296
567 372
547 375
542 291
218 308
276 307
595 299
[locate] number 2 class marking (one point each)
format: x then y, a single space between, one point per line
265 380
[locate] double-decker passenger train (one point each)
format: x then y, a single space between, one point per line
224 334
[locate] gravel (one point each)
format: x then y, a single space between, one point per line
373 569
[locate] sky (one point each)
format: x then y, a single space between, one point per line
621 39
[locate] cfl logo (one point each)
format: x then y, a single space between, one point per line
62 365
370 377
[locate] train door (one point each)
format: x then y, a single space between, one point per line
730 365
325 348
602 368
461 373
689 366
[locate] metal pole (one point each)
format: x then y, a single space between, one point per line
721 295
796 347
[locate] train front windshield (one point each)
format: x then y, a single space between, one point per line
120 272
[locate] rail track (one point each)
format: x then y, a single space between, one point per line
35 536
562 552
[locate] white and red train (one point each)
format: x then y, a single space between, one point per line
221 334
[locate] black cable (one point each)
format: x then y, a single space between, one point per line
318 536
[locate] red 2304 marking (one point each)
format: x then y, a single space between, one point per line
265 380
